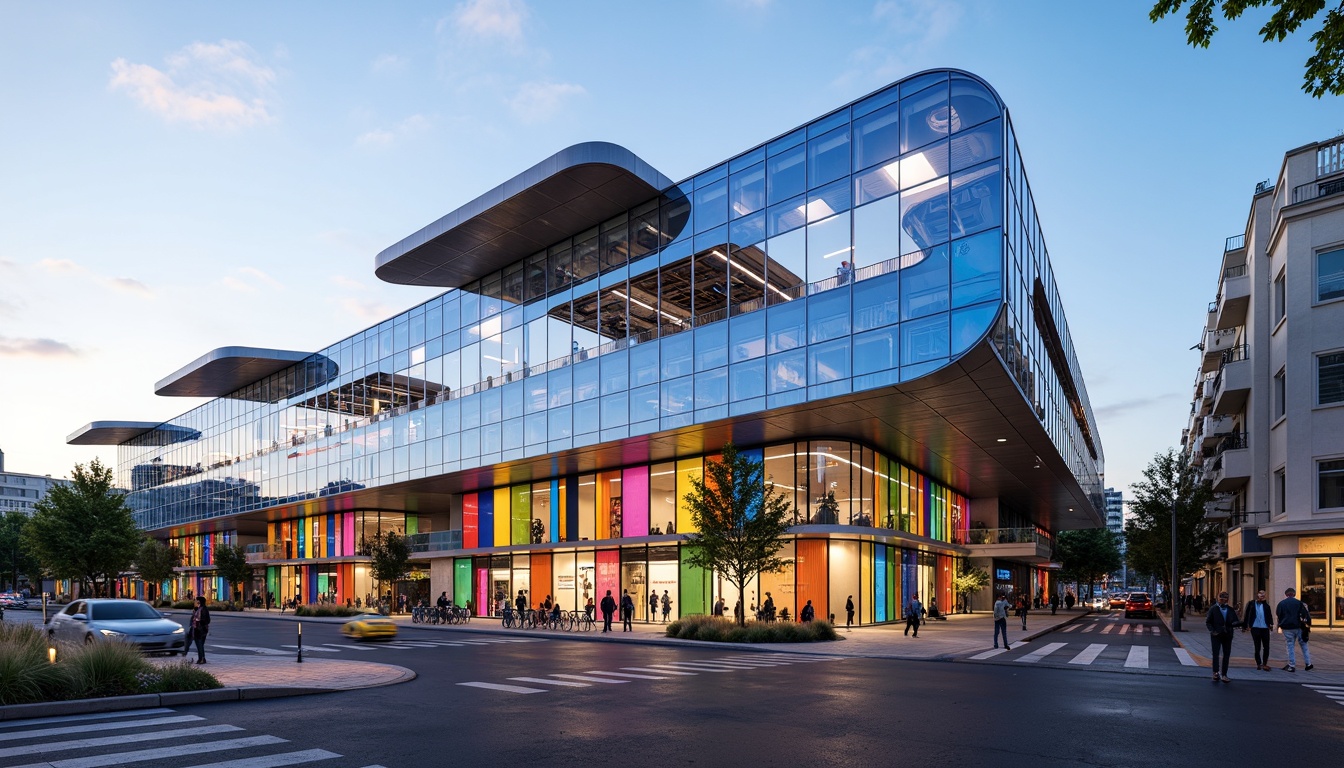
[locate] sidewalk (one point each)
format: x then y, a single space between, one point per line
243 671
1326 645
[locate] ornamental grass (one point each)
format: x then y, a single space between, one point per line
722 630
327 611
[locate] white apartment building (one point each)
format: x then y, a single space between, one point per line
20 491
1267 423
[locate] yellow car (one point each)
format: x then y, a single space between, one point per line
370 626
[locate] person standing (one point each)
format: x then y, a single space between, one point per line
914 614
1292 616
653 606
200 627
1001 622
1221 621
1054 603
1259 621
667 606
719 606
808 613
627 611
849 612
1022 607
608 608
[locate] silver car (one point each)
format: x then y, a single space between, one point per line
130 621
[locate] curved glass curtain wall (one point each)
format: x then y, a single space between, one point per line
864 249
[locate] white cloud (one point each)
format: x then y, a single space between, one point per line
389 62
21 347
367 310
537 102
220 85
345 282
249 280
9 308
384 137
67 268
490 20
61 267
129 285
915 28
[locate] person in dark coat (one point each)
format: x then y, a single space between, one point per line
627 611
1221 621
849 612
608 608
200 627
1258 619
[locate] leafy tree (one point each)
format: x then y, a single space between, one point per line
84 531
969 580
391 557
1148 531
1087 555
741 521
232 566
1324 71
15 556
156 562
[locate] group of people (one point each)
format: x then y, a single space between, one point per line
1290 616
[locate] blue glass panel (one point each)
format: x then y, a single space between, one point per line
876 101
877 302
711 388
615 372
747 335
976 145
786 175
925 339
828 362
829 243
876 183
559 387
745 231
877 137
784 142
643 364
828 157
747 160
969 325
972 104
615 410
924 216
713 174
786 370
785 216
787 326
513 434
711 346
791 397
976 199
876 351
924 284
492 408
925 117
747 380
828 316
739 407
678 396
977 264
711 206
643 403
558 423
678 352
492 438
586 376
536 428
711 414
747 191
821 203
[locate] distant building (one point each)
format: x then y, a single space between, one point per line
1115 522
22 492
1267 422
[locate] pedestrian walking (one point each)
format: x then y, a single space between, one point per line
849 612
1069 600
200 627
1022 607
627 611
914 615
653 606
1001 621
1054 603
1258 619
608 608
718 606
808 613
1221 621
1293 618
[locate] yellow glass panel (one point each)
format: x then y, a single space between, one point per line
687 469
503 520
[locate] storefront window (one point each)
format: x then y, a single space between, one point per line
1313 586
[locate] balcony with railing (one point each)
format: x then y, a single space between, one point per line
1216 342
1215 429
262 553
1232 383
1233 298
1243 535
1230 468
435 541
1029 544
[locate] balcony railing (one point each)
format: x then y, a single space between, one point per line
978 536
435 541
257 553
1248 518
1235 243
1330 158
1315 189
1236 270
1231 442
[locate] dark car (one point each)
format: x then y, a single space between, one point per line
1139 603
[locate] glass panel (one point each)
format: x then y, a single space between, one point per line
877 137
747 191
711 388
923 165
787 215
877 233
976 268
785 175
613 320
711 346
828 316
926 117
787 370
644 316
876 183
675 296
644 238
844 573
828 248
924 216
976 145
615 242
586 262
711 286
877 302
875 351
787 326
828 157
662 496
828 362
969 325
787 265
972 104
675 215
747 334
924 340
746 277
747 380
711 206
678 355
976 200
1330 275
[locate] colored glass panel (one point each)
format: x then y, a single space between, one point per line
866 584
520 500
695 587
635 501
461 581
482 592
540 567
812 579
502 517
608 576
879 571
485 501
470 512
687 470
556 503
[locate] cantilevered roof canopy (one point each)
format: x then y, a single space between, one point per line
569 191
225 370
117 432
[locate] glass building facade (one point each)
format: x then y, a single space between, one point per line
865 254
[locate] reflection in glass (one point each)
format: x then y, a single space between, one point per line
926 117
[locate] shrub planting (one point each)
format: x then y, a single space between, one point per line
321 611
716 629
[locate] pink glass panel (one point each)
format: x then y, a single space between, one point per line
635 501
608 578
482 592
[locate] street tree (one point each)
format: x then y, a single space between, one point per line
391 556
16 558
1088 554
231 565
740 520
156 563
84 531
1169 479
1324 71
968 581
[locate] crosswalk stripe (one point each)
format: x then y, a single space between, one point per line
1125 629
499 687
1040 653
160 753
754 663
106 741
699 667
1324 688
1184 656
347 645
1089 627
591 679
1089 654
1071 628
627 674
680 673
1107 629
88 727
273 761
1138 657
988 654
548 681
77 718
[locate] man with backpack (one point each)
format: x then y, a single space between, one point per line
914 615
1295 622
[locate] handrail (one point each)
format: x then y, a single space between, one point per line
1304 192
1236 270
1234 243
976 536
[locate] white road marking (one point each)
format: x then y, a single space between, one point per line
89 727
627 674
754 663
1089 654
273 761
509 688
548 681
78 718
1071 628
988 654
1107 629
591 679
161 753
698 667
254 649
1157 630
660 671
1125 628
310 648
125 738
1138 657
1089 627
1040 653
1184 656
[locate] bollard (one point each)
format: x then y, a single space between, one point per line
300 659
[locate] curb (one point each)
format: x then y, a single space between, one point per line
1203 661
149 700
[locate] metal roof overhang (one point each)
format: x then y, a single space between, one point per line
227 369
569 191
946 424
118 432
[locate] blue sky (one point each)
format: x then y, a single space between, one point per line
175 178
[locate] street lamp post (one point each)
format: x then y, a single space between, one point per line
1172 592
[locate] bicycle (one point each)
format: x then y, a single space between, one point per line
582 621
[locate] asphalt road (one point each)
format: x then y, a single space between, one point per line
851 712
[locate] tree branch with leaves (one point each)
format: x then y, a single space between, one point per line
1169 478
156 562
84 531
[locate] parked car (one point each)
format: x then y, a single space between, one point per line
1139 603
129 621
369 626
12 600
1118 600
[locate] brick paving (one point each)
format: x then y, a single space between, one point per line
243 671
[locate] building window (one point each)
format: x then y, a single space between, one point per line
1330 275
1330 378
1280 297
1331 475
1280 492
1280 393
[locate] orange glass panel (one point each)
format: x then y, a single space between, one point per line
812 571
541 577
